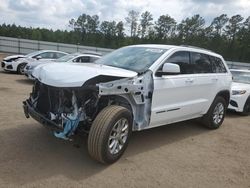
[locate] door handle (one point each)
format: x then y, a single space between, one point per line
214 79
189 80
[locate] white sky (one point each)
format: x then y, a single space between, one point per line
55 14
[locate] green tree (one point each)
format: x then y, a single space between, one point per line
165 26
145 22
233 26
132 21
218 23
191 27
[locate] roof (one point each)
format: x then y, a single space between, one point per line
181 47
240 70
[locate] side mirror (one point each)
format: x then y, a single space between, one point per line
169 69
38 57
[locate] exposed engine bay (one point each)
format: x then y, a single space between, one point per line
72 109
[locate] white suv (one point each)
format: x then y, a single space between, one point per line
131 89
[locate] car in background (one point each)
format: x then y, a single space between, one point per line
87 57
17 63
240 91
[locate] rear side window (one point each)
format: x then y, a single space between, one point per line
93 59
58 55
201 63
181 58
217 65
82 59
47 55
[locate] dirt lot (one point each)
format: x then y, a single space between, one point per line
178 155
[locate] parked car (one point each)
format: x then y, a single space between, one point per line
18 62
88 57
131 89
240 98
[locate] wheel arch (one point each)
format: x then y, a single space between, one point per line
224 94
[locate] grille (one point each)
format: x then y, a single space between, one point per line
2 64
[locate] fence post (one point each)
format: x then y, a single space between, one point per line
18 45
38 45
77 47
57 47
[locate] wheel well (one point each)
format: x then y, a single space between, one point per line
225 94
23 63
114 100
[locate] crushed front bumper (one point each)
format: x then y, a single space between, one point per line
30 111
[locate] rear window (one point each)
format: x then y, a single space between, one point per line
217 65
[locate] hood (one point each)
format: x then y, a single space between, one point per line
240 86
13 57
75 75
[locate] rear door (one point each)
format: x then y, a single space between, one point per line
183 96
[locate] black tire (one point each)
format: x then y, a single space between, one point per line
209 119
246 110
100 133
20 68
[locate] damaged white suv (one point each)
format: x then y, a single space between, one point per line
131 89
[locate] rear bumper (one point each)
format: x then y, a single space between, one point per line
29 111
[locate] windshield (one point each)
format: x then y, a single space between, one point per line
33 54
242 77
66 58
137 59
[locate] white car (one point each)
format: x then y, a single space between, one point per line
17 63
87 57
131 89
240 98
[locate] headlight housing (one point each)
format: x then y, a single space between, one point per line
238 92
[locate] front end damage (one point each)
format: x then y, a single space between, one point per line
71 109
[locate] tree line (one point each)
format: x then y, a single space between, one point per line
228 36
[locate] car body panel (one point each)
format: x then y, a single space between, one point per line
75 74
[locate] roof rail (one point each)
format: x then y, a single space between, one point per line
196 47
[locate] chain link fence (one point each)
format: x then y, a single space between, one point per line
24 46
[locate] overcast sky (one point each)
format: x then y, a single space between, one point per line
55 14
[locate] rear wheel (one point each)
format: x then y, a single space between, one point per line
109 134
216 114
20 68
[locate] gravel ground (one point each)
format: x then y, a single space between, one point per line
178 155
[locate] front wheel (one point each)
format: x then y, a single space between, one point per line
109 134
246 110
20 68
216 114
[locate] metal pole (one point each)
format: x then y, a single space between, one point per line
38 45
18 45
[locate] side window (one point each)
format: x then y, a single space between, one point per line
47 55
93 59
181 58
58 55
201 63
217 65
82 59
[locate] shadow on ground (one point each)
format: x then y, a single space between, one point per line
41 155
25 81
